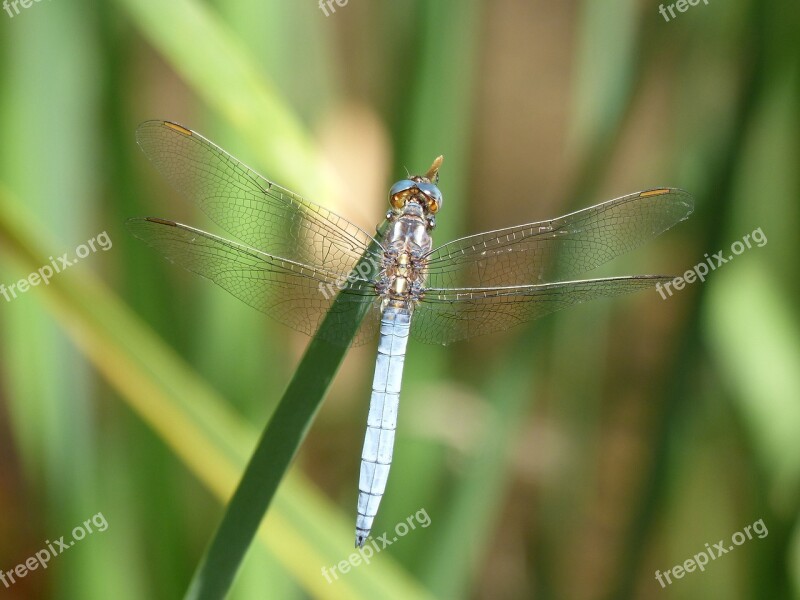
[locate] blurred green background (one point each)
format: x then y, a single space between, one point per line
569 459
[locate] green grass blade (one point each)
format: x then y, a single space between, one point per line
214 63
276 448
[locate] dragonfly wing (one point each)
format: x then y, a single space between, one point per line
257 211
292 293
449 315
549 251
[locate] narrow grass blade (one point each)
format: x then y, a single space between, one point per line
278 445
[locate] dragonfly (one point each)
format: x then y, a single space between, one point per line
300 263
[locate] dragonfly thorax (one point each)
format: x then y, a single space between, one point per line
407 245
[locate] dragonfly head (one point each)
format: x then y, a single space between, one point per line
420 190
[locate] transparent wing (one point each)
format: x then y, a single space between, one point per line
449 315
253 209
292 293
552 250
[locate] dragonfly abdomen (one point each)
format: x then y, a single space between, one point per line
376 457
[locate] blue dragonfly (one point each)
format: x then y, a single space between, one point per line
293 258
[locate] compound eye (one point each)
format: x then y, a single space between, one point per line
401 192
432 195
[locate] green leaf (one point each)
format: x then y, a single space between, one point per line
754 337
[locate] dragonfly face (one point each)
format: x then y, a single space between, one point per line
417 190
292 251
